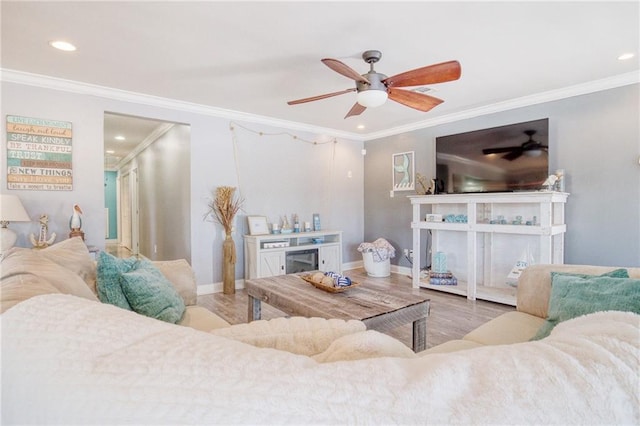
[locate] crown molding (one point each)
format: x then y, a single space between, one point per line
37 80
538 98
29 79
151 138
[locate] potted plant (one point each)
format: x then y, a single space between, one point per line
222 209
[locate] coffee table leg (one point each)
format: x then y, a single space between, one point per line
420 335
255 309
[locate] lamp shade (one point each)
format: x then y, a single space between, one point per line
372 98
12 210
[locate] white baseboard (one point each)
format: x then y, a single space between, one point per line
352 265
216 287
401 270
393 268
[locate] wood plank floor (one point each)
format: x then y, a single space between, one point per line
451 316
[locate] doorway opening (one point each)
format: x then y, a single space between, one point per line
147 187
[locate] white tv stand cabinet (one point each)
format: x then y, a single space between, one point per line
481 254
262 261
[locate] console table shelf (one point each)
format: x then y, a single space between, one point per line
490 234
266 255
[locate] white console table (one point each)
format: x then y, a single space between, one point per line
262 259
481 254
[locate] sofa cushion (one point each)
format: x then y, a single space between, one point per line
74 255
20 287
299 335
201 319
149 293
534 285
109 271
18 264
362 345
451 346
510 327
573 296
181 275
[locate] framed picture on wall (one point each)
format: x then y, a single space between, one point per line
403 171
258 225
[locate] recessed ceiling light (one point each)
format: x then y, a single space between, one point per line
62 45
110 151
625 56
360 126
119 138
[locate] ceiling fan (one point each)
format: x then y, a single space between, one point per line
374 88
530 148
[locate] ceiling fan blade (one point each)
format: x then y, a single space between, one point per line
344 69
317 98
356 109
414 100
516 153
488 151
438 73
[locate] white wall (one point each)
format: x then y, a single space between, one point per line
281 176
88 172
276 173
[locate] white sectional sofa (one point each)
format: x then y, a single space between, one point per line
67 359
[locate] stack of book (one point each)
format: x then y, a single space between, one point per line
442 278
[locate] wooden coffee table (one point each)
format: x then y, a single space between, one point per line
377 304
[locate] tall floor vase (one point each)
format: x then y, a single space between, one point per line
228 265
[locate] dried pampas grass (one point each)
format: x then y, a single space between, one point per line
224 207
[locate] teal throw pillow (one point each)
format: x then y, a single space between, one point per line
573 296
109 270
616 273
151 294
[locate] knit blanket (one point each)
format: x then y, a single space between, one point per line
67 360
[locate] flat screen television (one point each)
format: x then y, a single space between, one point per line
501 159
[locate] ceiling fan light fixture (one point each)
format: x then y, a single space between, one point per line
372 98
374 88
533 152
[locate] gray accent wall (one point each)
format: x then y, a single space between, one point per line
594 137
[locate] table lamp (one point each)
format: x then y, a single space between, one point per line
11 210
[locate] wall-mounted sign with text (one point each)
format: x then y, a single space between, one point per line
39 154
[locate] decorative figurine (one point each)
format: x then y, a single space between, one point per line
75 223
437 187
296 223
549 184
42 240
286 226
559 185
422 181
